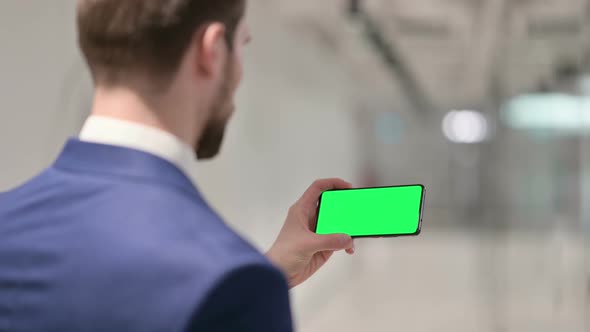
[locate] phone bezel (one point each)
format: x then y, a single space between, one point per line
418 231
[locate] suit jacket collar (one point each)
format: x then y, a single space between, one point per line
123 162
113 131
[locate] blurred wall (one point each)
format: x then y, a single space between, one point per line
37 52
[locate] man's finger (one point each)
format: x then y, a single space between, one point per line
332 242
350 251
312 194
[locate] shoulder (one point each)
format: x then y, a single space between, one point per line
192 287
166 233
170 257
251 296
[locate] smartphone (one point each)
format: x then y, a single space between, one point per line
372 212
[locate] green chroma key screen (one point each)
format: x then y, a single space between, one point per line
367 212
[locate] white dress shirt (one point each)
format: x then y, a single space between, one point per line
111 131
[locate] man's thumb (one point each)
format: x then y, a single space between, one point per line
332 242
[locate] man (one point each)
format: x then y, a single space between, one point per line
114 236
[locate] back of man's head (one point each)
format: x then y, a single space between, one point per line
123 38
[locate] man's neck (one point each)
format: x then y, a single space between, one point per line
123 104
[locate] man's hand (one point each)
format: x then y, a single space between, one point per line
300 252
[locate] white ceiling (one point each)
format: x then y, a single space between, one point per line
458 50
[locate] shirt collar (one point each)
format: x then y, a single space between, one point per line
111 131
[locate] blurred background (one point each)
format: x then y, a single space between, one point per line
485 102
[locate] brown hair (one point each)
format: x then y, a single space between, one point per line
123 37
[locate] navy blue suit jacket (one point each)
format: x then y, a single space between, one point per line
114 239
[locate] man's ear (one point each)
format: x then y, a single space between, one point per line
211 49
